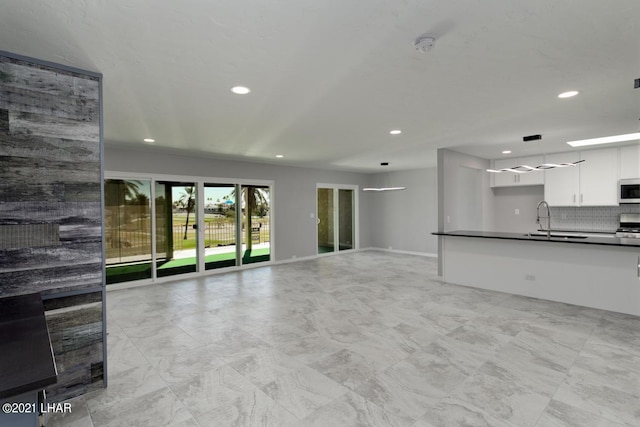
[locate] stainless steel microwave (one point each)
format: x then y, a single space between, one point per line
629 191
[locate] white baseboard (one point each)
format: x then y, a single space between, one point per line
296 259
397 251
146 282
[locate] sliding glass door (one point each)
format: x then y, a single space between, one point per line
336 219
127 213
166 227
346 219
176 228
220 233
256 224
326 231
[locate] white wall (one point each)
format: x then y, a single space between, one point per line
404 220
450 203
525 199
452 206
293 201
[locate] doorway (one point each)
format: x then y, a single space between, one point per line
336 218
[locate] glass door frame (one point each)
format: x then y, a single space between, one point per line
336 217
199 182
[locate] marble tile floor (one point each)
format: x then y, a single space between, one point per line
360 339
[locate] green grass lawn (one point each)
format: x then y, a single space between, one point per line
138 271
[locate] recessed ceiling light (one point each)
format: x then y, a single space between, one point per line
279 156
605 140
240 90
568 94
395 132
149 140
506 152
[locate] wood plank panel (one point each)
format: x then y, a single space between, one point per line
59 256
57 127
21 100
18 236
72 213
48 80
51 279
48 148
50 179
75 327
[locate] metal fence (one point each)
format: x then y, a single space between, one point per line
133 241
221 233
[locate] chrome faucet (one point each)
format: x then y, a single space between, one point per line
546 205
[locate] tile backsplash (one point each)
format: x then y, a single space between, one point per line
595 218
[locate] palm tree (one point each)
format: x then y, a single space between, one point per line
117 193
190 196
255 197
256 200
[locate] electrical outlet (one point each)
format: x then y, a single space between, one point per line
529 277
517 211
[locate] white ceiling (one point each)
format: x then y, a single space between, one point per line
331 78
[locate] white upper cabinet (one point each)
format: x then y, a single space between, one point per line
630 162
592 183
599 177
561 184
510 179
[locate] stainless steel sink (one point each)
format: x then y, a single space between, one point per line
556 235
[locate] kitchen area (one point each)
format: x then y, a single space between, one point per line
563 227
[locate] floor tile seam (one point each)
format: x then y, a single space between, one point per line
130 400
633 351
373 373
527 388
452 396
557 331
338 399
377 372
154 368
182 403
86 405
564 381
225 365
579 353
306 388
589 411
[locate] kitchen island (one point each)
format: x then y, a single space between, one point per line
598 272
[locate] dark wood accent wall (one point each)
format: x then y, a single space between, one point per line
51 211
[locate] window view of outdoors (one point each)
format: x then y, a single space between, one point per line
220 225
129 231
176 236
255 224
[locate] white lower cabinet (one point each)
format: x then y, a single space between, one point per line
591 183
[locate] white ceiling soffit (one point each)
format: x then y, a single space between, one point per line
329 79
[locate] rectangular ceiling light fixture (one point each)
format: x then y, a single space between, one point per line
605 140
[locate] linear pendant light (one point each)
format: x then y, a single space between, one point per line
605 140
542 167
384 189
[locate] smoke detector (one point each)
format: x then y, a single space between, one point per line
424 43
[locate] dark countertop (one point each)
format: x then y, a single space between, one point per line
26 359
589 240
